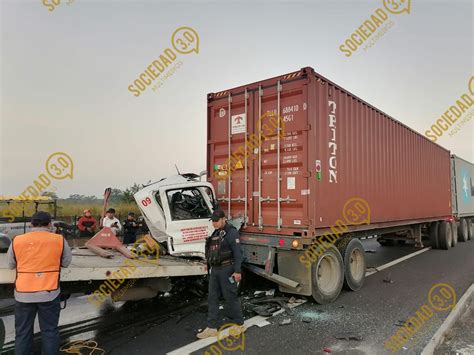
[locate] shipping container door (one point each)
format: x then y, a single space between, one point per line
229 153
280 173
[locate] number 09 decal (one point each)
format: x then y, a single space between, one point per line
146 201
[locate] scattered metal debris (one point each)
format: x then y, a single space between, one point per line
349 336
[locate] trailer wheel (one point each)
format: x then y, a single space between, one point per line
462 230
470 229
434 235
454 233
445 237
327 276
353 255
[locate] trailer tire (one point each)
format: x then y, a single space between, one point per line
470 229
353 256
462 230
445 236
434 235
327 276
454 233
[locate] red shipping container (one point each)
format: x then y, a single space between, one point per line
332 147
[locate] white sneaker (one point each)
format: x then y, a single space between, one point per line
206 333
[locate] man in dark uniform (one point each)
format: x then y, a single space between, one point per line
224 257
130 228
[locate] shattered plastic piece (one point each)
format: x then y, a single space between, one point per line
166 294
285 321
270 292
327 350
349 336
221 307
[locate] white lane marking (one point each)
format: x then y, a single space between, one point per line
262 321
259 321
396 261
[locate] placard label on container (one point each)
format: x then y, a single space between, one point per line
239 123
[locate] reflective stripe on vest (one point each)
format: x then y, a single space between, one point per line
38 261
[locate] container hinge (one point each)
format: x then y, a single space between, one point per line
239 199
287 199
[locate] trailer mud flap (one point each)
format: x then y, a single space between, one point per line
290 267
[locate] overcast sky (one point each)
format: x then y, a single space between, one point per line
65 73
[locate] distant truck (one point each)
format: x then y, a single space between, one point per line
284 157
462 189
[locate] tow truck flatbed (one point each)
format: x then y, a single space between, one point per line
88 266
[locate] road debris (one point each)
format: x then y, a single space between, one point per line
349 336
285 321
388 279
306 320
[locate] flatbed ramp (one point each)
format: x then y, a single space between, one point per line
86 266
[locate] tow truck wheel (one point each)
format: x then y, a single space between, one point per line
327 276
445 237
353 255
462 230
454 233
470 230
434 235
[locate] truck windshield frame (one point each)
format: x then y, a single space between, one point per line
188 203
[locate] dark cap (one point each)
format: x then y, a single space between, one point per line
131 213
41 218
217 215
110 210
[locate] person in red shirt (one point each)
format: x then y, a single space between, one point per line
87 225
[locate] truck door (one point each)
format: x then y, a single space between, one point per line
188 211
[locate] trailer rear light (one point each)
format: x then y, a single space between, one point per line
295 244
281 242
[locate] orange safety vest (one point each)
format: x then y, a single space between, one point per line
38 261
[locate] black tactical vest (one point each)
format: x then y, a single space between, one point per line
219 251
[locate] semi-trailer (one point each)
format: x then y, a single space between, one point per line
304 169
286 156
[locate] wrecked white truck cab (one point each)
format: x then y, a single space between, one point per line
177 211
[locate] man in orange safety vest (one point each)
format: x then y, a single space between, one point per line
37 257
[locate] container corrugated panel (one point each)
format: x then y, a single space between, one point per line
462 187
320 146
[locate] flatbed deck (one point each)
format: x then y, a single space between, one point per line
86 266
